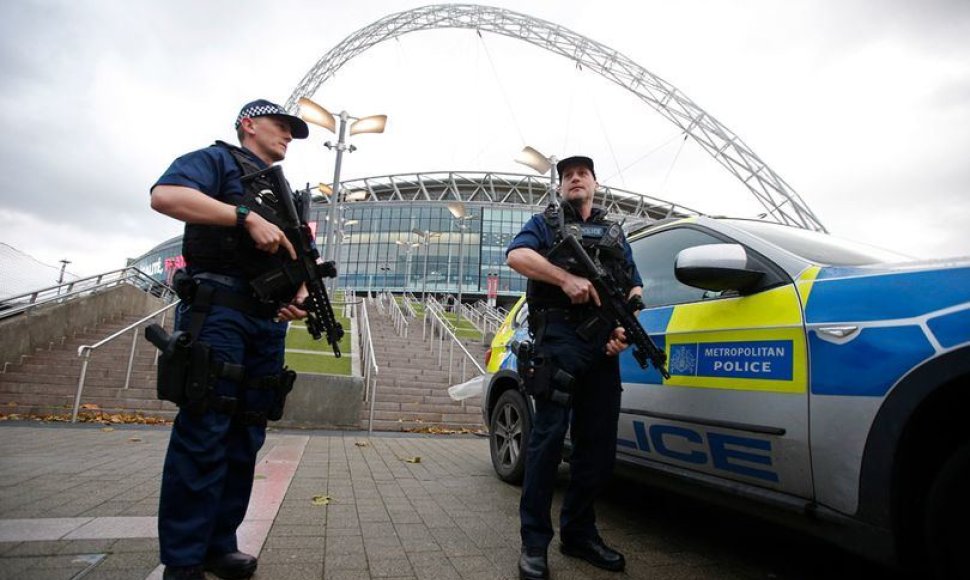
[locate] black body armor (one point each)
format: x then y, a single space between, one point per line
230 250
601 238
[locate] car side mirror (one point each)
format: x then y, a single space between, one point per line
717 267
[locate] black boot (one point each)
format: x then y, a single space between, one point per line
533 564
234 565
183 573
596 553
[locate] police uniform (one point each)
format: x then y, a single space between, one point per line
595 392
210 463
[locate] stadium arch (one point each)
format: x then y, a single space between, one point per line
781 202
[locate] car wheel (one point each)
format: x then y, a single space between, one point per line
508 434
947 513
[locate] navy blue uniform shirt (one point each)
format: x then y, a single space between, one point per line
212 170
537 235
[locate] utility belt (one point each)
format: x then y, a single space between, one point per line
187 287
186 372
542 378
588 322
569 315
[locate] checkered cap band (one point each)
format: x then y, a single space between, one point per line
260 110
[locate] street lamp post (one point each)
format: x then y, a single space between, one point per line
408 250
313 113
384 268
457 210
60 277
532 158
426 239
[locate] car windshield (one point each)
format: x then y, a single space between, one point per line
818 247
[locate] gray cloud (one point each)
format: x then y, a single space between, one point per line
98 97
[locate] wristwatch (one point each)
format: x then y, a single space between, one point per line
242 212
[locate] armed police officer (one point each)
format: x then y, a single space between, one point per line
238 342
573 371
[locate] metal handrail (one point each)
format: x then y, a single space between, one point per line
369 366
432 303
397 315
492 318
69 290
409 301
85 351
432 317
472 315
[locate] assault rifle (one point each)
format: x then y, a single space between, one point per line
269 187
613 303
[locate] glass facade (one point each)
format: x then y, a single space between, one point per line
425 260
161 262
420 247
397 233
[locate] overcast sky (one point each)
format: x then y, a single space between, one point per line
863 107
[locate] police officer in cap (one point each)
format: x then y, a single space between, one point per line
211 459
583 363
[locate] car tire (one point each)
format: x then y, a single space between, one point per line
946 527
508 436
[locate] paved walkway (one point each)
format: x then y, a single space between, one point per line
80 501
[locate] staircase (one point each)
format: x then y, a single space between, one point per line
44 383
412 387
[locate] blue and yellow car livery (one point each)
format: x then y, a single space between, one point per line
833 386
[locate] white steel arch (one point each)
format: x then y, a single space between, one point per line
782 203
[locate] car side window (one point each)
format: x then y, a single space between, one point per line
655 255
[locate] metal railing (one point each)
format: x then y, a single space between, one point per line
368 361
431 303
490 318
22 303
442 332
409 301
85 351
348 302
397 315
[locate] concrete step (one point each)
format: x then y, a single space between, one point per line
418 426
97 357
18 404
390 397
456 409
49 399
115 380
100 368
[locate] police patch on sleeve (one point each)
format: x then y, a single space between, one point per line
764 359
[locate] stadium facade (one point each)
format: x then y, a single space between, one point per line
397 232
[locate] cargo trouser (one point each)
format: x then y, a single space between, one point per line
591 419
209 467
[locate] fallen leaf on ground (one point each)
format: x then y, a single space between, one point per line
107 429
414 459
90 417
321 500
133 439
89 406
436 430
11 404
361 443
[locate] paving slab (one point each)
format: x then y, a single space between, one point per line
66 489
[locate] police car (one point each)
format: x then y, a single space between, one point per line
816 381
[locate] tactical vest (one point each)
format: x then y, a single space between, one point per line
230 250
601 238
